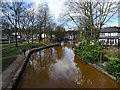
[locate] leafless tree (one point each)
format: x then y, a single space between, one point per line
40 20
33 21
25 21
90 16
47 19
12 11
7 28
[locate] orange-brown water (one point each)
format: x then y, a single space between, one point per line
59 67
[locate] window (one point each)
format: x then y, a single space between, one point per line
106 34
114 34
109 34
111 41
102 34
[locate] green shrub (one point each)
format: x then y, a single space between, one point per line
113 67
89 53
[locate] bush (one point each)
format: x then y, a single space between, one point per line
89 53
113 67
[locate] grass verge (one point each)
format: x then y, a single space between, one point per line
6 62
11 44
16 50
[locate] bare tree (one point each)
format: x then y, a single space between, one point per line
7 28
25 21
47 18
12 11
33 21
40 20
90 16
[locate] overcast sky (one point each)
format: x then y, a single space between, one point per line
56 6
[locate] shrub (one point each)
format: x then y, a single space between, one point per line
89 53
113 67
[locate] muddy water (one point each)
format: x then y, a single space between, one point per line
59 67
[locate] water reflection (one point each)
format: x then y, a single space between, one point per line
59 67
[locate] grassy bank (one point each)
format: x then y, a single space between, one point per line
11 44
110 58
16 50
49 43
6 62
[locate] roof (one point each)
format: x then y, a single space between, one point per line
110 29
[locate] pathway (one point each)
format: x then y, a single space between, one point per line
8 75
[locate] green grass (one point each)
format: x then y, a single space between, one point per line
6 62
49 43
16 50
7 44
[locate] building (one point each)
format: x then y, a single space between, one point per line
110 36
47 37
71 35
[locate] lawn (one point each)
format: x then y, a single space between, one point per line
10 44
6 62
49 43
16 50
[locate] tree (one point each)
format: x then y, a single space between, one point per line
90 16
47 19
7 28
33 21
59 33
40 20
12 11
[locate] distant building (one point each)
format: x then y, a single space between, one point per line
71 35
47 37
110 36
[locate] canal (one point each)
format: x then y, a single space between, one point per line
59 67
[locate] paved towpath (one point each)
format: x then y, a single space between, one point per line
8 74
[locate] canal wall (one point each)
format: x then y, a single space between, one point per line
103 71
100 69
14 71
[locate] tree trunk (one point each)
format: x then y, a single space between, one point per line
20 37
32 38
44 37
28 39
39 37
9 39
16 37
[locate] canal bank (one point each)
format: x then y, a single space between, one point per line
12 72
59 67
102 67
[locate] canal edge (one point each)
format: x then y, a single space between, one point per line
100 70
21 68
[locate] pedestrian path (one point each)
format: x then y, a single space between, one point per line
8 75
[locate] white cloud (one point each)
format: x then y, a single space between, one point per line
55 6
